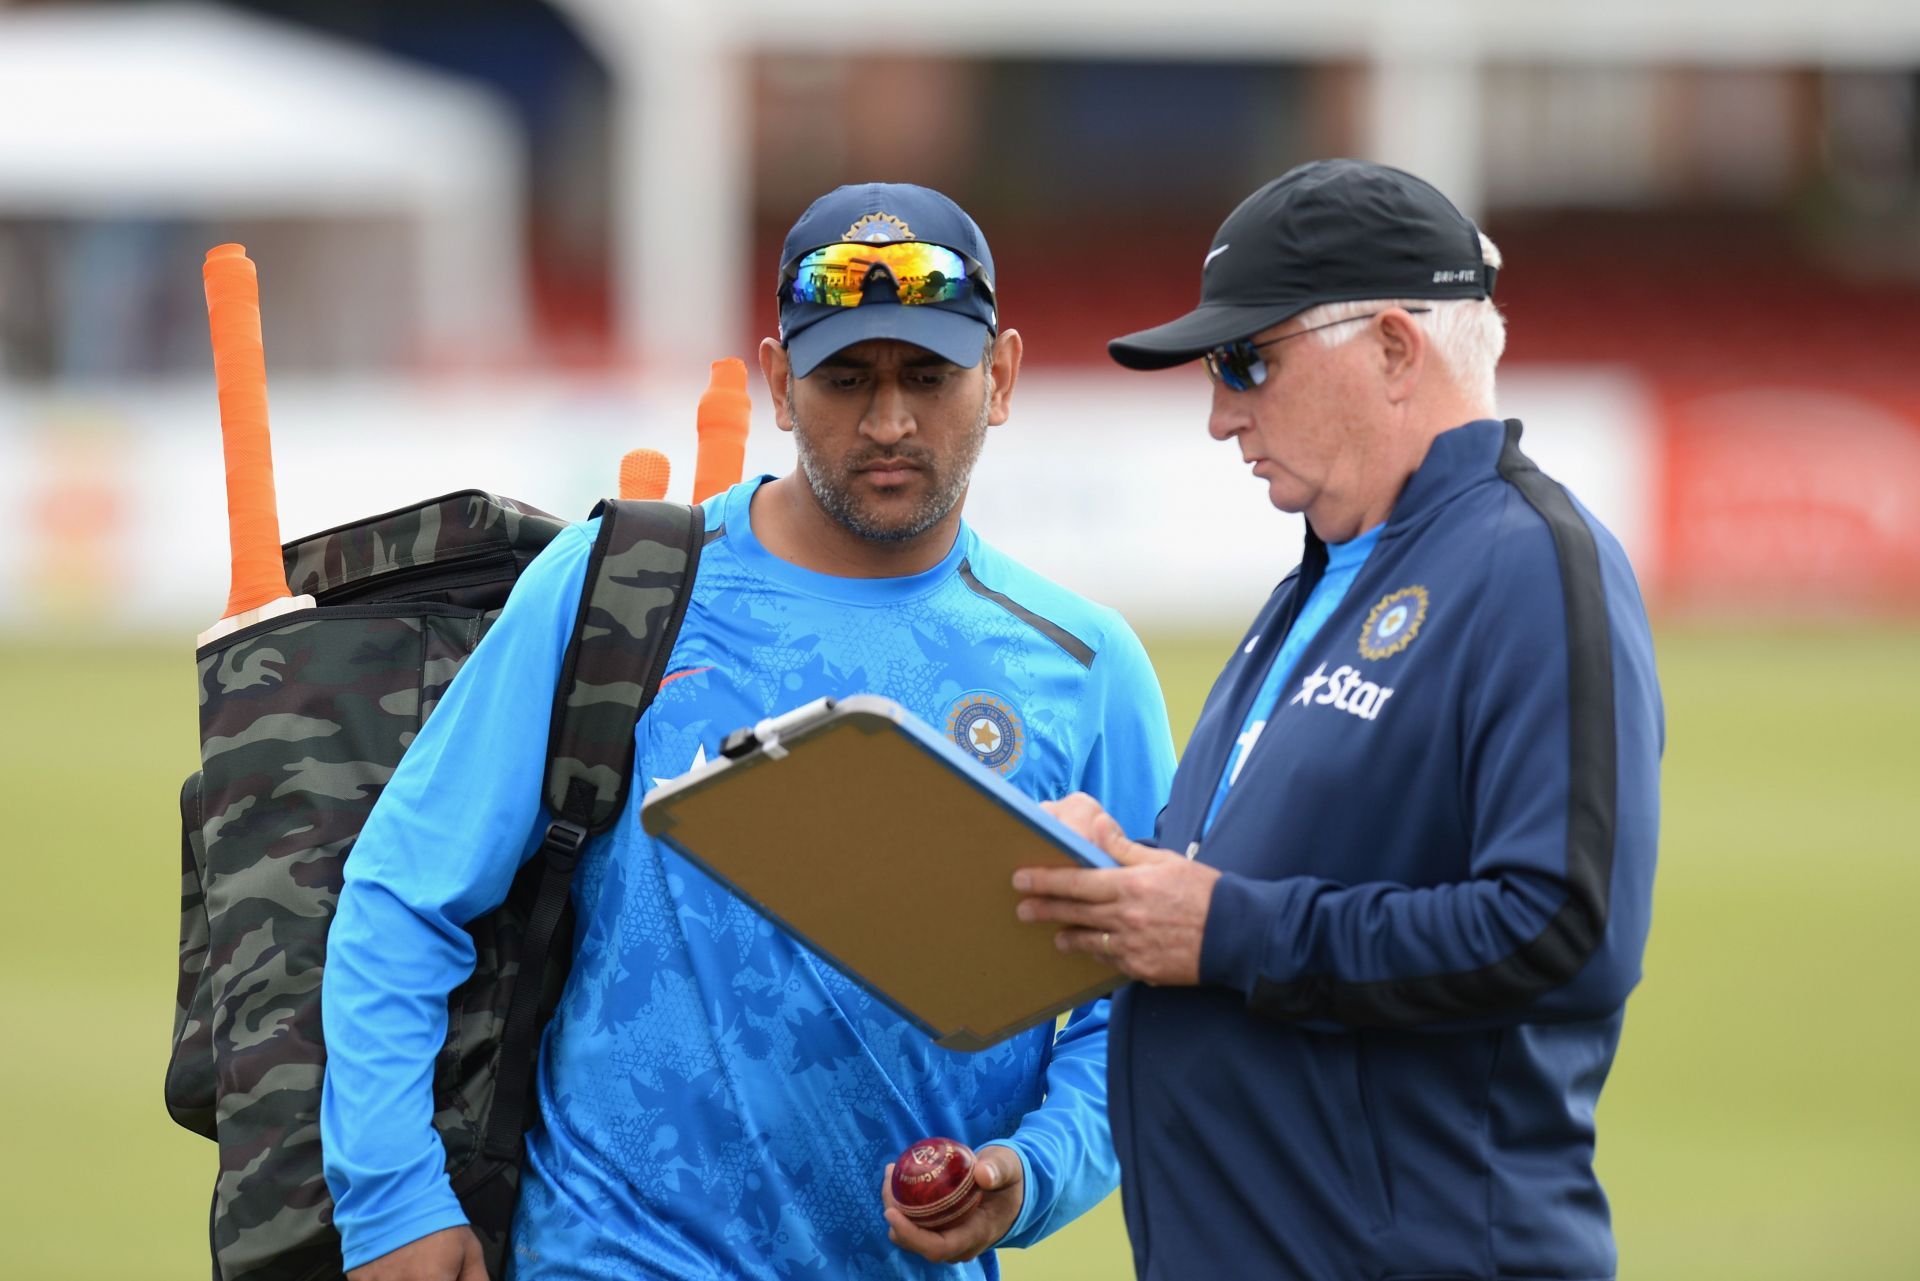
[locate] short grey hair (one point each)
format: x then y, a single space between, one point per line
1468 334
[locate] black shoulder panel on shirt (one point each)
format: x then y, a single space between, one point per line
1564 946
1081 651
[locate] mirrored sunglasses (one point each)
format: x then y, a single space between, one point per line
837 275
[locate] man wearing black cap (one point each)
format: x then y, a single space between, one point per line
716 1101
1395 904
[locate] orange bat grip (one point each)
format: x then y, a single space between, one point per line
240 374
644 474
721 421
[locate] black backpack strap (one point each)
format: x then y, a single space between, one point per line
638 580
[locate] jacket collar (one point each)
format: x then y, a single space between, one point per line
1458 458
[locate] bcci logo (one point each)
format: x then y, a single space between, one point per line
988 730
1394 622
879 229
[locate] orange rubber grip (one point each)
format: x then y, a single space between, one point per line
644 474
240 375
721 421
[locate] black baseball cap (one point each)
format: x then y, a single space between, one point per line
1326 231
883 213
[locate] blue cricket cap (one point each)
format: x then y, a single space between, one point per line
882 213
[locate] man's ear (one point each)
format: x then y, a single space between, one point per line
1404 346
776 368
1007 349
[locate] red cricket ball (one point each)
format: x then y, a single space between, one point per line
933 1183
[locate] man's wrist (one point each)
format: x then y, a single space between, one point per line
361 1244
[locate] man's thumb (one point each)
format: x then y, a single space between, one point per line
1123 849
996 1168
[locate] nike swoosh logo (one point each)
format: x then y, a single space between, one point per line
1211 255
681 675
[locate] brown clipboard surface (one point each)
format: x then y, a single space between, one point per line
862 833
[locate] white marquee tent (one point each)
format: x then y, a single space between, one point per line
193 111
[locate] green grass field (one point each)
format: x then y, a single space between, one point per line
1761 1122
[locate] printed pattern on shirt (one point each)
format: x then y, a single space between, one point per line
711 1090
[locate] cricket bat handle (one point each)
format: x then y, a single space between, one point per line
721 421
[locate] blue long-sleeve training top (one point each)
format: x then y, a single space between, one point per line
1437 868
714 1099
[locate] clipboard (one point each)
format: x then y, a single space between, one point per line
865 834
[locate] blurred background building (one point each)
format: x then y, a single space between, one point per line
499 242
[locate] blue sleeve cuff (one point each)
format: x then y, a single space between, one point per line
1242 916
1067 1162
1030 1198
1224 945
395 1226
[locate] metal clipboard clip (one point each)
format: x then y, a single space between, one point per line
765 735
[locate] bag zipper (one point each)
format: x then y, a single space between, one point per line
484 562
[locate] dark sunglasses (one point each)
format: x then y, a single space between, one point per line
1238 366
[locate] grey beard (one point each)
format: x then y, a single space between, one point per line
833 490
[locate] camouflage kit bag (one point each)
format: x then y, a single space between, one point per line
303 718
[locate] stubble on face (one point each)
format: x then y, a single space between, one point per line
836 485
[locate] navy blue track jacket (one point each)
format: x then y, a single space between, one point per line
1437 872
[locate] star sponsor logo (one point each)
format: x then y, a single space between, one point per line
1310 685
1346 689
986 727
1393 623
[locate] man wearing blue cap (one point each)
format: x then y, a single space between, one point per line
1392 911
714 1100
